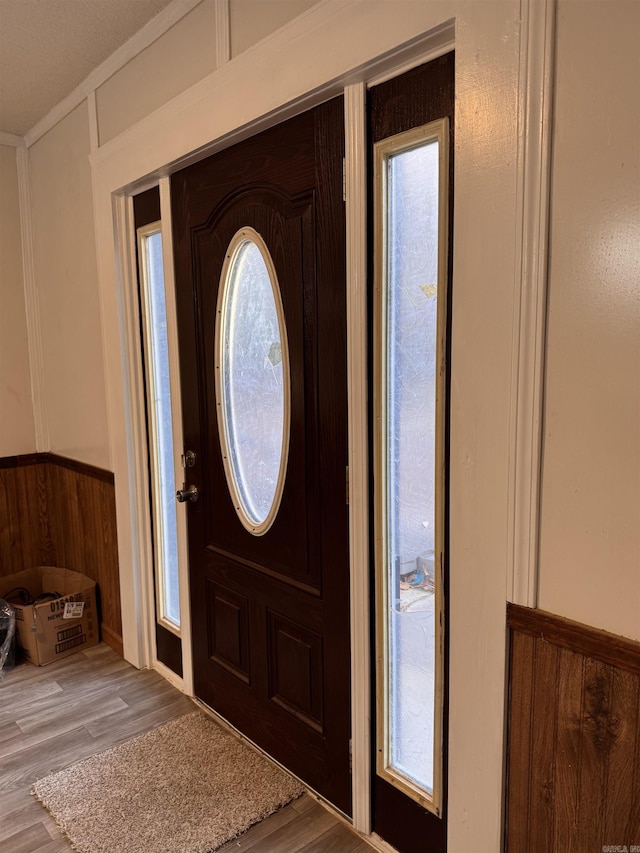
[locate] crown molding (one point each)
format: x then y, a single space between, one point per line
148 34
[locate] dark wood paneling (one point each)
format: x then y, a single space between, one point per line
79 467
574 736
83 520
26 537
56 511
146 207
594 642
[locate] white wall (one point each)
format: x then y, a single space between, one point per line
17 432
67 291
252 20
182 56
74 404
590 542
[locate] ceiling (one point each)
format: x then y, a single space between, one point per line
48 47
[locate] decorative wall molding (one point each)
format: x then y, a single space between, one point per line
34 334
600 645
12 140
537 60
223 33
27 459
221 123
94 136
151 32
21 461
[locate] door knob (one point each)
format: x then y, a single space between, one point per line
190 494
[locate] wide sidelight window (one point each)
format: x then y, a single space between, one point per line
411 210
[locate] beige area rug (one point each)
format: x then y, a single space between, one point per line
186 787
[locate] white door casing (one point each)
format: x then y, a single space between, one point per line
499 220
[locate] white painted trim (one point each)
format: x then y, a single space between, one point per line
170 676
223 32
380 844
145 36
34 328
178 439
357 373
350 41
441 42
11 139
133 515
215 122
94 139
537 62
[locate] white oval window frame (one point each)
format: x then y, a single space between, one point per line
239 239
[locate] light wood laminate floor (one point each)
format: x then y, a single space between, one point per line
54 716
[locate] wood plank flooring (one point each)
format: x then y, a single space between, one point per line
54 716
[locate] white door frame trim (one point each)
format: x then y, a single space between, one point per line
353 42
535 118
358 429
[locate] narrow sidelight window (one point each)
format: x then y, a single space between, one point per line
161 454
410 197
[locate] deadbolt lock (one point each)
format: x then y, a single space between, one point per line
188 459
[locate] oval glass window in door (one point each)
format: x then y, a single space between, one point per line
252 381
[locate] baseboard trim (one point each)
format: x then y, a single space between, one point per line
112 639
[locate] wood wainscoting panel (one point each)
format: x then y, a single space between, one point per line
58 512
25 529
83 519
573 761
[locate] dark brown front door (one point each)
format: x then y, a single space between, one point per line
270 612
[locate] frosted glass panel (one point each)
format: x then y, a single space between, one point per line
411 369
160 400
410 278
253 384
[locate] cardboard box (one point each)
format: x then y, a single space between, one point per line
58 627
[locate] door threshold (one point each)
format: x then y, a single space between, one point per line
379 843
